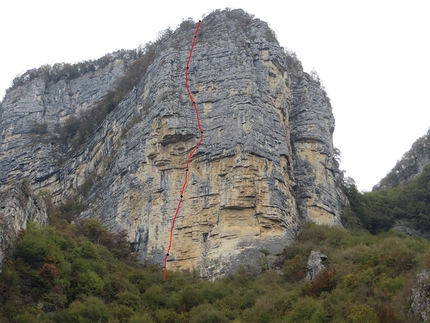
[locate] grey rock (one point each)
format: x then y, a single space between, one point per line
18 207
410 231
315 264
316 170
50 104
265 166
420 297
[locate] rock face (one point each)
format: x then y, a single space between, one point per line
420 297
315 264
19 206
407 228
38 102
315 169
266 164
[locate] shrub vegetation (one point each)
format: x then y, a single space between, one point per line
77 129
378 210
82 273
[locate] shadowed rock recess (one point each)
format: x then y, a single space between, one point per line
266 165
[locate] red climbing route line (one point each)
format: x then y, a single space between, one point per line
191 154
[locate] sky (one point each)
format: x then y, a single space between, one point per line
373 57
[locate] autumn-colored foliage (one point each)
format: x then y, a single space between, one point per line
83 273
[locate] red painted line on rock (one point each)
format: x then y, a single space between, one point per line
191 154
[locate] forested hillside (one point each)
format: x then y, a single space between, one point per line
82 273
379 210
76 271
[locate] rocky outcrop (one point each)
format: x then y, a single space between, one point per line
315 264
408 229
410 166
265 166
315 168
19 206
420 298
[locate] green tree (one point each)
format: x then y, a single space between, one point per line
363 313
207 313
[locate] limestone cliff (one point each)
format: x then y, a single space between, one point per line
265 167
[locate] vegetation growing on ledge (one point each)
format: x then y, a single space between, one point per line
77 129
65 71
81 273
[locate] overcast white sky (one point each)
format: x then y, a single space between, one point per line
373 56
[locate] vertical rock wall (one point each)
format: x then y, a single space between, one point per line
22 153
315 168
265 166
